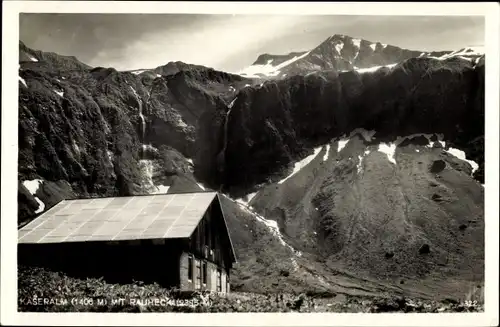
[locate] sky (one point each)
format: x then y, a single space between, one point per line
229 42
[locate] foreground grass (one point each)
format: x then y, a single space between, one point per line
45 291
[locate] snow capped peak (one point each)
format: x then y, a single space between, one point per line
268 69
356 42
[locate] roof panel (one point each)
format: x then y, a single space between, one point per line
50 224
52 239
136 217
58 207
159 199
64 230
35 235
33 224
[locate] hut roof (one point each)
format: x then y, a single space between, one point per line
119 218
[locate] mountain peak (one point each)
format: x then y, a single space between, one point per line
340 52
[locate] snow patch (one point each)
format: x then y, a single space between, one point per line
32 58
374 68
389 150
76 147
59 93
431 143
251 196
465 58
373 46
33 185
339 47
201 186
246 199
327 153
356 43
360 158
190 161
41 205
268 69
272 225
464 53
181 122
384 45
137 72
461 155
23 81
417 150
161 189
342 144
301 164
359 166
232 103
149 147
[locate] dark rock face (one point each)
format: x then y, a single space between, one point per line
356 212
48 61
90 127
270 125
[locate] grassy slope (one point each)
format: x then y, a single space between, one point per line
370 225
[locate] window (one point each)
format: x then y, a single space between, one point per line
190 268
219 280
205 273
198 274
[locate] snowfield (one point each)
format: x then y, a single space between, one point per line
302 163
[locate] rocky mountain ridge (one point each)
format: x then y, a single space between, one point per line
344 53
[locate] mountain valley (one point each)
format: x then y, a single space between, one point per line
356 168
